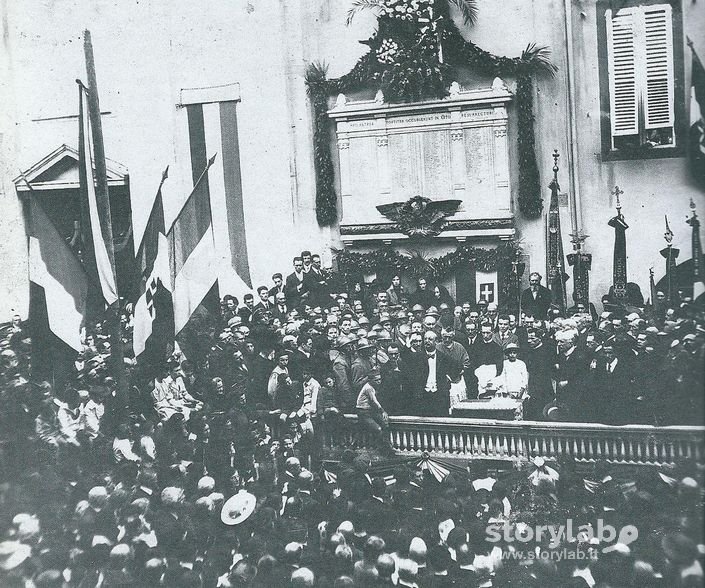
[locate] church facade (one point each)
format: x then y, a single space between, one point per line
424 176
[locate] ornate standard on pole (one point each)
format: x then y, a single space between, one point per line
622 292
670 254
581 263
698 271
556 276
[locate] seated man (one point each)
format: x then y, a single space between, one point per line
170 395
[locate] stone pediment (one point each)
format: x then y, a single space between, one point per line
59 171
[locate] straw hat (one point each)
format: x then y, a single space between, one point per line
238 508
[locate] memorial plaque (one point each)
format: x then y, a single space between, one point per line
435 164
363 176
447 149
404 157
479 147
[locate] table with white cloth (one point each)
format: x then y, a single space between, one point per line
499 408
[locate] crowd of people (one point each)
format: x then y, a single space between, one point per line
208 470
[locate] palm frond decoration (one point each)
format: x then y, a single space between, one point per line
539 57
418 264
359 6
468 10
316 73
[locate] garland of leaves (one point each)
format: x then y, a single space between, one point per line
499 259
413 57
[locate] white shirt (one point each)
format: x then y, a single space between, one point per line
431 385
515 377
310 402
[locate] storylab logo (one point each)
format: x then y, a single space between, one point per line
558 535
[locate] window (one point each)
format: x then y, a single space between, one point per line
642 98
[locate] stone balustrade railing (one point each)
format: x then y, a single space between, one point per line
524 440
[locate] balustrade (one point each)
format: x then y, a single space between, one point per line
523 440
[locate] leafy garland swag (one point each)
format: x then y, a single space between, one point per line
387 260
412 57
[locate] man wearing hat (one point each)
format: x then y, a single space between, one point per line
418 313
364 367
340 358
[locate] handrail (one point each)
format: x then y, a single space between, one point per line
453 437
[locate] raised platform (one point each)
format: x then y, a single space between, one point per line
463 438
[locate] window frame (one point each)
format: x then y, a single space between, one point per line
679 98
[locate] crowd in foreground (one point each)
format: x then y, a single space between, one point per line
209 472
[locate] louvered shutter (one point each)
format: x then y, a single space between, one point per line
622 64
659 84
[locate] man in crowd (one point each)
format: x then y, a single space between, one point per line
536 299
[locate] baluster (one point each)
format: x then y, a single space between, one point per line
578 453
622 451
552 446
521 449
536 447
475 444
630 453
647 451
512 446
543 446
446 442
639 451
482 444
586 450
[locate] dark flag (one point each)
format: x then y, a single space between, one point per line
154 311
697 125
698 270
555 259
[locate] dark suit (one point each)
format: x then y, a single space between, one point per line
260 308
435 403
273 291
537 306
295 287
315 283
280 312
538 364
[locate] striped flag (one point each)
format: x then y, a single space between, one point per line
212 128
55 268
94 227
194 262
697 125
154 312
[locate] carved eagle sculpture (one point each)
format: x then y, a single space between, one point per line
420 216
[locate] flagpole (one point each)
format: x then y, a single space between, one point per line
103 204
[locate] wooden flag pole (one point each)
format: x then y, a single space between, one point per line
103 203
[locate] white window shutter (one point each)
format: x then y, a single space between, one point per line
658 88
622 64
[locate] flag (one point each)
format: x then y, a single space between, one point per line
698 270
94 224
212 128
697 125
486 286
554 245
55 268
193 259
154 312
